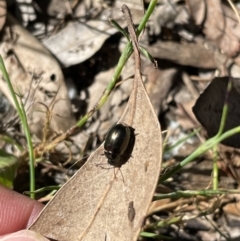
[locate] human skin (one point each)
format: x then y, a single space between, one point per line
17 212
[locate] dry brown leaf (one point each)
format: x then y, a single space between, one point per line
159 205
158 84
78 41
232 208
218 28
36 76
197 10
110 204
214 23
190 54
94 203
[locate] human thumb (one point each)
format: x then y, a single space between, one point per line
23 235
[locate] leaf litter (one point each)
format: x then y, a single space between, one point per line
102 203
210 47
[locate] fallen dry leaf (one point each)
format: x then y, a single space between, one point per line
232 208
188 54
209 106
87 37
36 76
102 203
197 10
158 84
218 28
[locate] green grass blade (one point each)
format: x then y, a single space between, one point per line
23 118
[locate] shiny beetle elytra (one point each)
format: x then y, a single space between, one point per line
117 143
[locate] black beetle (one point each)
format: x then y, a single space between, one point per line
118 140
